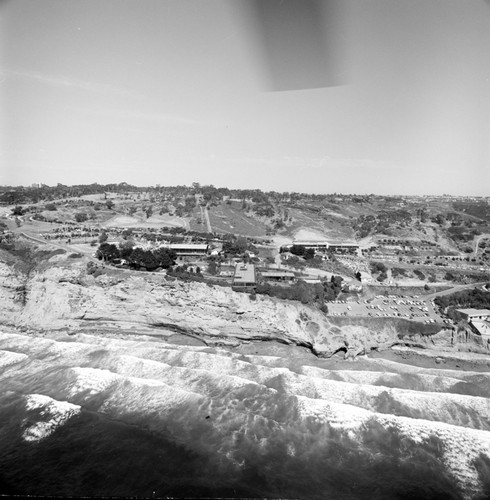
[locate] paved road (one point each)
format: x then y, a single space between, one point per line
205 216
454 289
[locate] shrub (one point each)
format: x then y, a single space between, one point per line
378 267
81 217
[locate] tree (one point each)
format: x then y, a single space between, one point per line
81 217
18 210
212 267
378 267
297 250
309 253
143 258
166 258
126 248
109 204
107 251
127 233
103 237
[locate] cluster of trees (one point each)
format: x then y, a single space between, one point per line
367 224
33 194
136 257
379 267
186 271
306 253
236 245
18 210
264 210
398 271
306 293
476 298
462 233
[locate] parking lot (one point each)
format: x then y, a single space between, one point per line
410 307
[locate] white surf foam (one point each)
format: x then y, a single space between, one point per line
8 358
92 380
460 445
53 414
431 383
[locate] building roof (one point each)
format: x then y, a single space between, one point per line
277 274
336 244
323 243
483 327
244 273
188 246
310 242
475 312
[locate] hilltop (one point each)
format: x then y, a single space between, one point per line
420 240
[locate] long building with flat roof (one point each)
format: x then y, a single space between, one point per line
475 314
189 248
325 245
278 275
316 244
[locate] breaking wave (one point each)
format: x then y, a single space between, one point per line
104 416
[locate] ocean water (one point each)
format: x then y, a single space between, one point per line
97 416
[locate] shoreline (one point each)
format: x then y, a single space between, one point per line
412 356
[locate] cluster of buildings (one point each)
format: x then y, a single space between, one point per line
479 319
246 276
324 245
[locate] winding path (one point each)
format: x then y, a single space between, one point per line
205 217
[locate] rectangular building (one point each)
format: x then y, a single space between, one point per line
475 314
326 245
343 247
315 244
182 249
278 275
244 276
483 328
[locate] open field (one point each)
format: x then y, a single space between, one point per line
331 227
231 219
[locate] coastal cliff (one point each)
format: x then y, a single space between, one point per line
47 291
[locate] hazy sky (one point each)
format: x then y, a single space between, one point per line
173 92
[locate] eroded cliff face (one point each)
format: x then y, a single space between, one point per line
60 292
